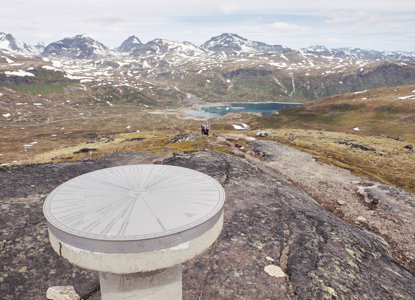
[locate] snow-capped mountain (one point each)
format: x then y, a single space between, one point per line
229 68
377 55
319 50
130 44
357 53
79 46
9 43
161 46
38 48
233 44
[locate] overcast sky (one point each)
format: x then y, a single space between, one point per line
368 24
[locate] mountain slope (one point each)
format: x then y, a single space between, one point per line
77 47
382 111
161 46
250 71
357 53
130 44
233 44
9 43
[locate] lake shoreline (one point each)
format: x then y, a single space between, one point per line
213 110
214 104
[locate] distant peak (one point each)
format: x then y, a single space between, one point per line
231 35
79 46
318 47
130 44
8 42
82 36
6 35
134 39
233 44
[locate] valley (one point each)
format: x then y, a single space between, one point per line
77 89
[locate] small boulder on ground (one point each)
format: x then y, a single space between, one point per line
264 134
340 202
62 293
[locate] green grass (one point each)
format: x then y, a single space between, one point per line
396 165
41 88
380 113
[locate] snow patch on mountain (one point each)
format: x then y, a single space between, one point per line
407 97
51 68
18 73
161 46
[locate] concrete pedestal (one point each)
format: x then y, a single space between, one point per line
135 225
154 285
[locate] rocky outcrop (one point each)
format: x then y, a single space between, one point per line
184 137
29 266
267 218
277 242
357 146
385 210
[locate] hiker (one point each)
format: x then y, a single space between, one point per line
203 129
207 128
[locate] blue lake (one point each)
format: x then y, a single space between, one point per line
267 108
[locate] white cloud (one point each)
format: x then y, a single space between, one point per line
105 20
342 17
288 27
299 23
229 8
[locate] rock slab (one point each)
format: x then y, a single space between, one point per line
267 221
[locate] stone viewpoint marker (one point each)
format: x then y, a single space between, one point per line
135 225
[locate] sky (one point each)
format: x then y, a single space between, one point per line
366 24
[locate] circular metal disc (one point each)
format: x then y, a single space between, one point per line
134 208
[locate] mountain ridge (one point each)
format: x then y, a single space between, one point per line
225 44
165 71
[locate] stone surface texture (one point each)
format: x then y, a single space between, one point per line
62 293
379 208
266 218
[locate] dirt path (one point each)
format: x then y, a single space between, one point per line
379 208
